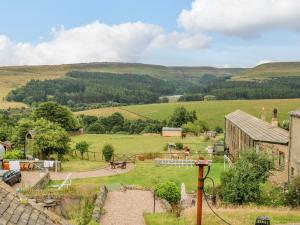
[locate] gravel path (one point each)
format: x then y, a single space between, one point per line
107 171
127 208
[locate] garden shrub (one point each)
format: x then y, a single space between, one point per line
169 191
292 195
218 129
14 154
272 195
108 152
82 147
241 183
179 145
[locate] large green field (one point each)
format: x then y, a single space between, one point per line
213 112
146 174
135 144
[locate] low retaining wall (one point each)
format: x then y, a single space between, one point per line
99 203
42 182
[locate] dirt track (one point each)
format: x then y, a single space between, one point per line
128 207
107 171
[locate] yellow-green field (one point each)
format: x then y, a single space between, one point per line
104 112
136 143
244 215
212 112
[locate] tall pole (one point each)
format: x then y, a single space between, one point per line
200 194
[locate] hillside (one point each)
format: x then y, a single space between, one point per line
269 70
212 112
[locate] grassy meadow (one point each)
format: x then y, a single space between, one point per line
212 112
135 144
244 215
146 174
104 112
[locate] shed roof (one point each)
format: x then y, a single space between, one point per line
14 211
258 129
171 129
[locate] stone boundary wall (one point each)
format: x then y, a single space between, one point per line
42 182
99 203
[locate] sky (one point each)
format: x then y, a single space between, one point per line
221 33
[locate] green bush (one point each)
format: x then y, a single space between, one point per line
218 129
179 145
82 147
14 154
169 191
292 196
272 195
108 152
241 183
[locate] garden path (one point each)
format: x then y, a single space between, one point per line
127 207
104 172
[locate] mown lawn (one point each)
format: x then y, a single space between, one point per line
235 216
146 174
134 144
213 112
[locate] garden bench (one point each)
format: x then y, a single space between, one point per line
120 164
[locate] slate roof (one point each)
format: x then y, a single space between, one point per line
258 129
171 129
14 211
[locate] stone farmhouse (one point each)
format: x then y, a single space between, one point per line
244 131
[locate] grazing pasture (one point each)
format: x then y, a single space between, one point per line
134 144
213 112
104 112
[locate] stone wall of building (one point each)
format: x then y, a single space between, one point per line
280 156
236 140
294 147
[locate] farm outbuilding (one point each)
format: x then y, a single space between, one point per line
171 132
244 131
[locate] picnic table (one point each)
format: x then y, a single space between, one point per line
120 164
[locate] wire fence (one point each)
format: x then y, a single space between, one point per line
130 157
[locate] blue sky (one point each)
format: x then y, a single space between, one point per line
222 33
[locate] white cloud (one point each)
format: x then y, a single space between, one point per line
92 42
96 42
184 41
264 61
241 17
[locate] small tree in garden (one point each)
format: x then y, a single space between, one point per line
241 183
108 152
169 191
179 145
82 147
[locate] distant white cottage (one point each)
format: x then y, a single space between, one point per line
171 132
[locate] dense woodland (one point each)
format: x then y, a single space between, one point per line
81 90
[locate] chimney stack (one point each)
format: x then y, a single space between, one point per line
274 118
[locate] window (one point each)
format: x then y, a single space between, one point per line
281 159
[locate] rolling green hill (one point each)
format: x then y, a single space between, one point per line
269 70
213 112
12 77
